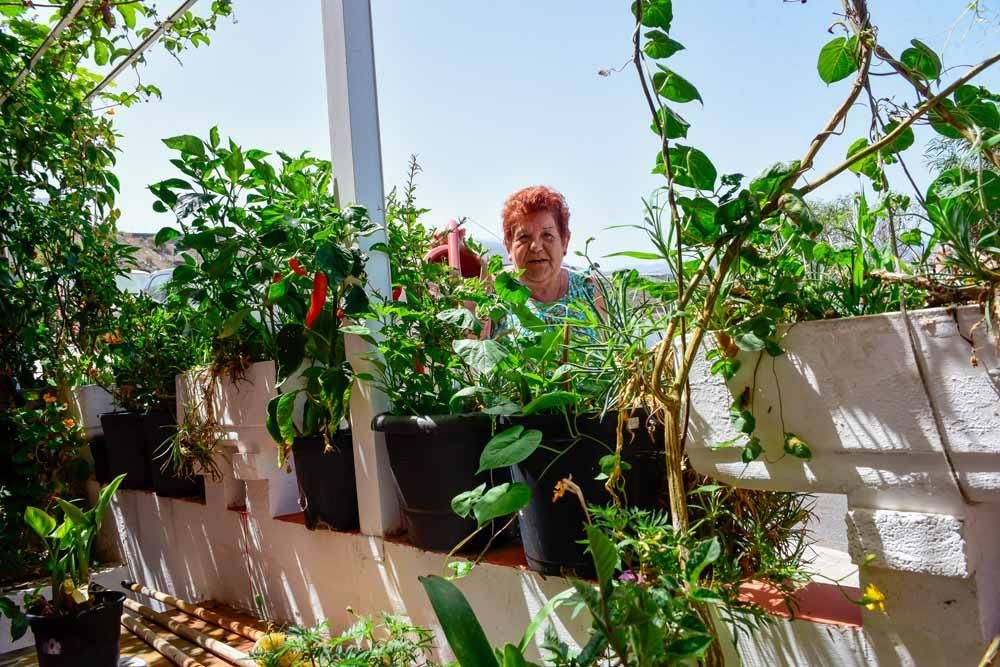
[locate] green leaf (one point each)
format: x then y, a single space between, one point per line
501 500
272 419
18 626
104 499
234 165
752 450
335 261
703 554
165 235
463 503
904 141
513 657
277 291
508 288
672 86
922 60
690 647
8 608
656 13
691 168
481 355
749 342
72 512
743 421
773 180
461 627
355 301
605 556
660 45
551 401
128 12
233 323
508 447
283 415
186 143
838 59
462 318
39 521
938 123
673 123
796 446
636 254
101 52
543 614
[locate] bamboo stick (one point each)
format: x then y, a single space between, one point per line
224 622
224 651
162 646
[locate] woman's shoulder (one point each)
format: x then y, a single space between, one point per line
580 283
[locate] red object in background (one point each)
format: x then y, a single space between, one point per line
456 254
296 267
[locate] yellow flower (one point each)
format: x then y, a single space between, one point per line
69 423
559 491
273 641
873 599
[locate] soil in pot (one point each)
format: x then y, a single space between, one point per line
328 492
158 429
88 638
434 459
125 446
551 531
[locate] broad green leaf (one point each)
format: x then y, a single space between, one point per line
690 647
272 419
752 450
501 500
186 143
461 317
128 11
233 323
18 626
938 123
774 179
904 141
743 421
8 608
922 59
335 261
277 291
513 657
796 446
234 165
461 627
660 45
547 609
463 503
838 59
72 512
165 235
355 301
691 168
551 401
508 447
508 288
749 342
605 556
283 414
673 124
672 86
39 521
104 499
703 554
101 52
481 355
656 13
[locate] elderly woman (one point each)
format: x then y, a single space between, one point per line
536 234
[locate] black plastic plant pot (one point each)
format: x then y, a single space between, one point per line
158 428
88 638
99 450
552 530
328 492
433 459
125 447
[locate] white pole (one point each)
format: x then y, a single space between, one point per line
357 167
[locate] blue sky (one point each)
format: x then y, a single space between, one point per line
496 95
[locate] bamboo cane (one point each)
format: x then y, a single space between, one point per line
224 651
162 646
224 622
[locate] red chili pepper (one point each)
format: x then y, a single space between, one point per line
340 313
277 278
320 284
296 267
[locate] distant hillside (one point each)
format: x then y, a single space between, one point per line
149 257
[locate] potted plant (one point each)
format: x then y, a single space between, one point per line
309 416
433 438
146 359
79 625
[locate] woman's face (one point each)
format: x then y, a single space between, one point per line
537 247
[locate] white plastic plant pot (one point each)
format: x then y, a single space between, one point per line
240 409
890 423
86 404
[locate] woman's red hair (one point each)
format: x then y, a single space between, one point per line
531 200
